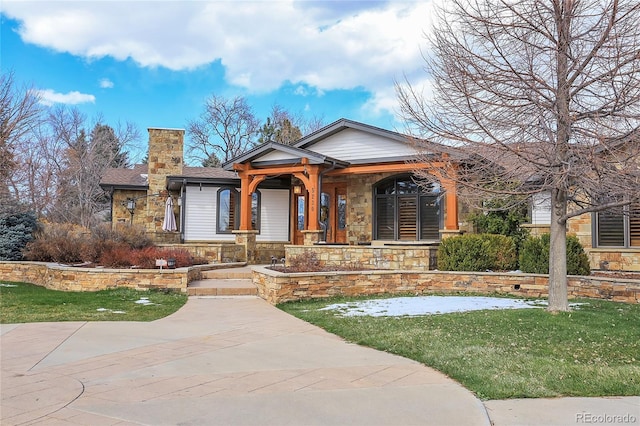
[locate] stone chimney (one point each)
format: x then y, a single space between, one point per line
166 148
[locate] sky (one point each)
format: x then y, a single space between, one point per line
154 63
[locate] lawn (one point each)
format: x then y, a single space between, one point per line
21 302
499 354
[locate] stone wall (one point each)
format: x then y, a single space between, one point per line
120 216
359 204
370 257
67 278
165 159
276 287
213 252
264 251
614 259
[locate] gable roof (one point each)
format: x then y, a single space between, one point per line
135 178
293 152
343 124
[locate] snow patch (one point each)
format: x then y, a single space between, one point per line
429 305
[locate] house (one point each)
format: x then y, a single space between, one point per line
346 191
346 185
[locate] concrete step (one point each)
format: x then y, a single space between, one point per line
228 273
222 287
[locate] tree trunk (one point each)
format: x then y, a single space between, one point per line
558 300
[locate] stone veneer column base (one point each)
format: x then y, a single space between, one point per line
446 233
248 240
311 237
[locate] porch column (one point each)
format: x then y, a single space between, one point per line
451 209
314 197
245 201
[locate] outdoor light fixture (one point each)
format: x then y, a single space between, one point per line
297 189
130 204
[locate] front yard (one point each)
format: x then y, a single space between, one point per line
21 303
499 354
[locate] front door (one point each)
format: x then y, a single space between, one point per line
333 212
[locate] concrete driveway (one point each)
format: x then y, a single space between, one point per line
240 361
217 361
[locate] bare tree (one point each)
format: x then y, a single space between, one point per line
19 115
286 127
533 96
80 160
226 128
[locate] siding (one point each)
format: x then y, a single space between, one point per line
352 145
276 155
541 209
274 215
200 215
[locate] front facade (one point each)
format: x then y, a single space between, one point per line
348 187
348 184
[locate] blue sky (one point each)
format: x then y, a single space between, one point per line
154 63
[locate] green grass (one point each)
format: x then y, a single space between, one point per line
21 302
499 354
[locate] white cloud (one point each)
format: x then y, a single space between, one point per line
322 45
105 83
49 97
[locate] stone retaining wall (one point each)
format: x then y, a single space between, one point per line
276 287
212 252
370 257
68 278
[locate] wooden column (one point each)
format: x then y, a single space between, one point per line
451 205
245 201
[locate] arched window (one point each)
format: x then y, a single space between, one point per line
405 211
228 211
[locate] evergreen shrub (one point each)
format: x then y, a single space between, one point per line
477 252
534 256
16 230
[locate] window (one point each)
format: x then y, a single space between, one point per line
255 211
619 228
404 211
228 211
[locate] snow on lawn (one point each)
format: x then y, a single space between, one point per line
428 305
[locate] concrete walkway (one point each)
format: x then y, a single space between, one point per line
240 361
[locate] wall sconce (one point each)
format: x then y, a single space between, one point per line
297 189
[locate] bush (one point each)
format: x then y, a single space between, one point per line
146 258
477 252
60 242
16 231
502 222
534 256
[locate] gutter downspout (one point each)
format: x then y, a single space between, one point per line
183 198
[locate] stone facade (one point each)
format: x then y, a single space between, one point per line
165 159
603 258
420 258
264 251
359 205
276 287
121 216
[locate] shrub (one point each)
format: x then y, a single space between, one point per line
502 222
133 236
534 256
60 242
477 252
16 231
116 255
